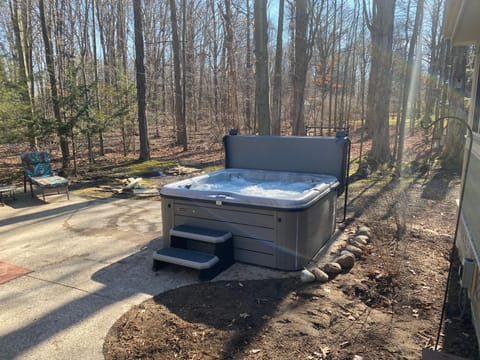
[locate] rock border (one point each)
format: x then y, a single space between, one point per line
357 245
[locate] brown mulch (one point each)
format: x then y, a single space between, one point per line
387 307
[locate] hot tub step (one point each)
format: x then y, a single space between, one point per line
200 234
186 257
209 265
207 250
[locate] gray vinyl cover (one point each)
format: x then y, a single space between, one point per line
320 155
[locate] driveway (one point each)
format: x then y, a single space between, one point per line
84 263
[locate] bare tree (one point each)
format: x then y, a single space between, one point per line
277 75
307 21
380 23
435 47
300 67
232 67
181 132
50 62
248 70
406 88
262 97
140 70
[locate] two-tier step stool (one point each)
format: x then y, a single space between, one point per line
209 251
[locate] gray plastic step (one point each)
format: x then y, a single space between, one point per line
200 234
186 257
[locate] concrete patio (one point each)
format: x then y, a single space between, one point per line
89 262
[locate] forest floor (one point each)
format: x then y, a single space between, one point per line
386 307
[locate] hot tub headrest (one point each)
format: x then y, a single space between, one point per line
307 154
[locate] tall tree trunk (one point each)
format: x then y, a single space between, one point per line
403 72
380 81
331 116
95 76
301 63
406 87
337 116
262 96
189 45
214 60
277 76
140 69
363 80
434 68
179 115
49 60
248 71
232 67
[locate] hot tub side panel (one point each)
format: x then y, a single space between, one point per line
280 239
301 234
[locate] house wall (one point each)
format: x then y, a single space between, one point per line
468 236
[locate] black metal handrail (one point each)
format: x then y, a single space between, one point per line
340 133
325 130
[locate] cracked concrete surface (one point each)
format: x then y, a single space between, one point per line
90 261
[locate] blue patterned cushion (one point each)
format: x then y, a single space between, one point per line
36 164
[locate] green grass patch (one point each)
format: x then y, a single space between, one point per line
148 183
147 166
92 193
129 168
210 169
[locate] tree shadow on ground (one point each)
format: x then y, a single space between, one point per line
437 187
362 202
239 310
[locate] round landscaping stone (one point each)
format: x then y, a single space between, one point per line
364 230
362 239
357 244
354 250
332 268
320 275
346 260
306 276
344 251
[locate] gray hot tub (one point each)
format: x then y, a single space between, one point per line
275 199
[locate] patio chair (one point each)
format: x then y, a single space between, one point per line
38 171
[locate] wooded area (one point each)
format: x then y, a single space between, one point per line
76 71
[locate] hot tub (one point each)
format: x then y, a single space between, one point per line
278 218
271 189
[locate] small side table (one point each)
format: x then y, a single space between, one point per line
7 192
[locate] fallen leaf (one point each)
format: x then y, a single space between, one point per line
325 351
